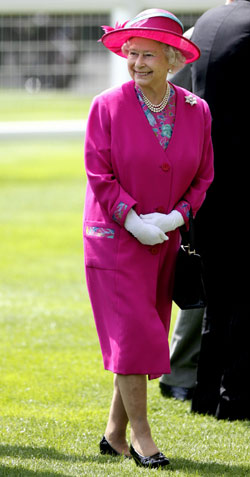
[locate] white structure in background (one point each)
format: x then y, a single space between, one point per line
89 71
38 129
70 6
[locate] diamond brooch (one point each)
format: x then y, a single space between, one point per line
190 99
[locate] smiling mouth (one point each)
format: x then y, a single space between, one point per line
142 73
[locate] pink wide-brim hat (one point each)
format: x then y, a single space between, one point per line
154 24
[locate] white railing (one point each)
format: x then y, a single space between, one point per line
39 129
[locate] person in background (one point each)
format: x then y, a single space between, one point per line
185 344
148 158
221 77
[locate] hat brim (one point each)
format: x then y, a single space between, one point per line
113 40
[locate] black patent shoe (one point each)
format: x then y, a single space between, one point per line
153 462
106 448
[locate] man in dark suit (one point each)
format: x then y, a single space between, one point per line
221 76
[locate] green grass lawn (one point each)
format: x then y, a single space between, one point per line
55 394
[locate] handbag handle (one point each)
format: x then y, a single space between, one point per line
191 232
188 236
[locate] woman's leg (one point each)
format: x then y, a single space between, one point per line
133 391
115 431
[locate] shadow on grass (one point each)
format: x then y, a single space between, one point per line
49 453
190 467
6 471
27 452
207 469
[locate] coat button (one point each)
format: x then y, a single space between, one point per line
165 166
154 250
160 209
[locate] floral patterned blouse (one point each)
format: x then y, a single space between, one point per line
162 123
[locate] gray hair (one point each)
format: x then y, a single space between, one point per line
175 57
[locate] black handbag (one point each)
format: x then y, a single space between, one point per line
189 291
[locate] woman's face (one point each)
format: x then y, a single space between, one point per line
147 63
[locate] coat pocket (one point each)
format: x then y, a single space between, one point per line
100 244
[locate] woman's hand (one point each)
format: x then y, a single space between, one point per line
147 234
166 222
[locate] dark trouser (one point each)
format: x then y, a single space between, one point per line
223 375
184 349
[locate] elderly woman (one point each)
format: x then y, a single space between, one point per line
149 158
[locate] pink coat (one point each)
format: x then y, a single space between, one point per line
130 284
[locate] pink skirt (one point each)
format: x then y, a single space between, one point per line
130 287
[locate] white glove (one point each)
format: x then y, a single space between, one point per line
146 234
166 222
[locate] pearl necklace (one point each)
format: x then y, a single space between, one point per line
157 108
